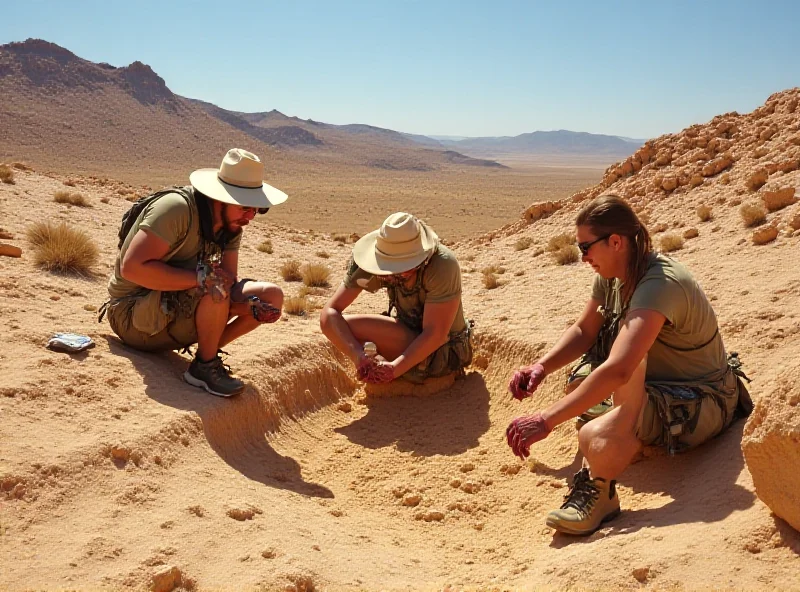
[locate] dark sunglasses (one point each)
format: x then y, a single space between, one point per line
584 247
257 210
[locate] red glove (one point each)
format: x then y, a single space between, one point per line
524 431
262 311
381 372
525 381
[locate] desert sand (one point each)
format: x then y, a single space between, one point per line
114 474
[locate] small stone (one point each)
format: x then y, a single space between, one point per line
470 487
166 579
641 574
55 297
412 500
467 467
433 516
10 250
269 553
345 406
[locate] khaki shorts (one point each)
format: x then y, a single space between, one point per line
178 332
453 356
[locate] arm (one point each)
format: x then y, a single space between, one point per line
336 328
636 337
437 318
142 265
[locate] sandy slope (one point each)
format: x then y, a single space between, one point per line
113 470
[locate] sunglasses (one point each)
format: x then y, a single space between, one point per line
584 247
256 210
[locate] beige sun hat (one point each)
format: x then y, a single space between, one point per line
401 243
238 181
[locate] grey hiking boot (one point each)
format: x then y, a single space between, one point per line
214 376
589 503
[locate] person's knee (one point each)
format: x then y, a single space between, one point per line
272 294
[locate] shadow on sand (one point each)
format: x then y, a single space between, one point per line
252 456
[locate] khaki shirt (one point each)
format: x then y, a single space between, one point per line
689 347
441 282
171 219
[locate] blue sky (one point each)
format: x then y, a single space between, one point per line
491 68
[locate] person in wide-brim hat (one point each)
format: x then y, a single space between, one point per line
424 333
175 279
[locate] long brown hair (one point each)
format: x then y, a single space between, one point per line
610 214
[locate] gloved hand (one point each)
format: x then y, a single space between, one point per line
524 431
262 311
375 371
526 380
213 279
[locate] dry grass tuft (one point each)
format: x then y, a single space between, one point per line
62 249
558 242
524 243
7 175
704 213
72 199
339 238
493 268
765 235
298 306
490 281
311 291
315 275
671 242
322 254
567 254
265 247
290 271
753 215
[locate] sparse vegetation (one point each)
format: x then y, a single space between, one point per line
62 249
322 254
297 305
265 246
567 254
558 242
704 213
670 243
72 199
493 268
311 291
490 281
523 243
290 271
6 175
339 237
753 215
315 275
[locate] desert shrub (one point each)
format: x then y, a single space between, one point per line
560 241
339 237
265 246
691 233
753 215
6 175
322 254
315 274
72 199
290 271
61 248
493 268
704 213
765 235
523 243
567 254
298 306
311 291
671 242
490 281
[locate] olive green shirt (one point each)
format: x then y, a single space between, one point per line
689 347
441 282
171 218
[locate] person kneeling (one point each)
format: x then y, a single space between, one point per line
424 333
648 335
175 277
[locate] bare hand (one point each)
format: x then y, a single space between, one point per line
526 380
524 431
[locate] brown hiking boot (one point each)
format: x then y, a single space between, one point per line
589 503
214 376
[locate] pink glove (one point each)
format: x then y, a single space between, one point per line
262 311
525 381
524 431
381 372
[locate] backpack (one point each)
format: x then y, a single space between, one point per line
129 218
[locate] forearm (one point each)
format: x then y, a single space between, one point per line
336 329
424 345
597 387
157 275
571 345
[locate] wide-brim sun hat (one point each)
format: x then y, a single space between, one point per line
401 243
238 181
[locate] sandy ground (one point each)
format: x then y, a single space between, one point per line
113 471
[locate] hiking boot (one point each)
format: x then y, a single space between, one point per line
593 413
589 503
214 376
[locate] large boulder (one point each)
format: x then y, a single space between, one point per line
771 446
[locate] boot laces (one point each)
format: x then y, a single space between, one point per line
220 368
582 495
